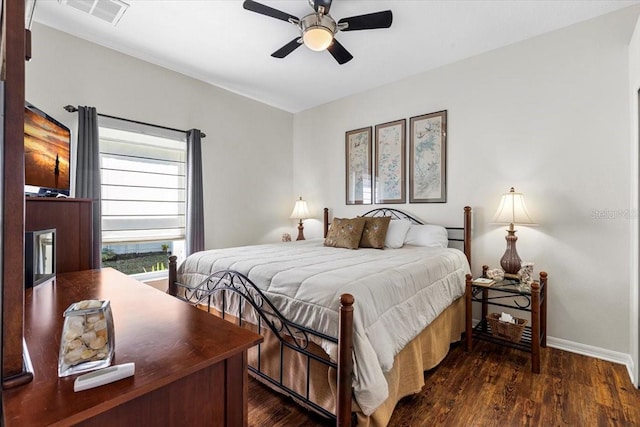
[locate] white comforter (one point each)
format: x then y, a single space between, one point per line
397 292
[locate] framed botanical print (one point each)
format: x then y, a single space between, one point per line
427 158
358 149
390 148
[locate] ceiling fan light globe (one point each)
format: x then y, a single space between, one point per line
317 38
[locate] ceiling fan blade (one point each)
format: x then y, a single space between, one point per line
287 48
324 3
338 51
266 10
369 21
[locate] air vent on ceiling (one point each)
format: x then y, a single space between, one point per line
108 10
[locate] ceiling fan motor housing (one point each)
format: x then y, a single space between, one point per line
317 31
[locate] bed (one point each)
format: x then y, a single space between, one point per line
347 332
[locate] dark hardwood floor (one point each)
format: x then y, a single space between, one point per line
493 386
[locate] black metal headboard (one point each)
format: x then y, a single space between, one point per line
393 213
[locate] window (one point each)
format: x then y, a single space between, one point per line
143 195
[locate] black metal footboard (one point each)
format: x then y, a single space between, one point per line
214 293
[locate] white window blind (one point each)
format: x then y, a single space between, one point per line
143 182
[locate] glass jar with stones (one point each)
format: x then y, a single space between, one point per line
87 340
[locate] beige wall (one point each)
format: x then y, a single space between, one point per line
634 87
246 154
550 116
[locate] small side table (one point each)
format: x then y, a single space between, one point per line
507 293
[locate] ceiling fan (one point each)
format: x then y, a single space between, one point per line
318 29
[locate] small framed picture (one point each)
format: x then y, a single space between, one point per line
428 158
358 166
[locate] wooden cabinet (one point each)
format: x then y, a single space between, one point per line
190 366
72 219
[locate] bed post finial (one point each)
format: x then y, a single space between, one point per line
345 368
467 233
173 275
326 221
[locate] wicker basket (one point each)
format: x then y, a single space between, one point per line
507 331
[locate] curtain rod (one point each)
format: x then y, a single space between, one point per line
72 109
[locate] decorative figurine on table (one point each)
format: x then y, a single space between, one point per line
286 237
526 276
496 274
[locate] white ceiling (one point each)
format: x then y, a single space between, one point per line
219 42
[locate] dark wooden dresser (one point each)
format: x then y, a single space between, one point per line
191 367
72 219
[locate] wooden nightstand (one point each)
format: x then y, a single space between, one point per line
507 293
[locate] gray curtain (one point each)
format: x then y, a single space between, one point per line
88 173
195 209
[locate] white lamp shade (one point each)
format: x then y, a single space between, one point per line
300 210
513 210
317 38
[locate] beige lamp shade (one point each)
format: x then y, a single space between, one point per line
300 210
513 210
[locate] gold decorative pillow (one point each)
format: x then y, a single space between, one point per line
374 232
345 233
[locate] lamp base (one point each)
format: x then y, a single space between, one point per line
510 261
300 231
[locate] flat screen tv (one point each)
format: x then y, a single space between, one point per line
47 154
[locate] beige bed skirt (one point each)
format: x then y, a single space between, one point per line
406 377
424 352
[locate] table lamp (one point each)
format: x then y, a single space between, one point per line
512 210
300 212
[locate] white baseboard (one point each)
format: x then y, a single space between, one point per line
591 351
597 352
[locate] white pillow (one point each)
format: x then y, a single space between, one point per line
429 235
396 233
